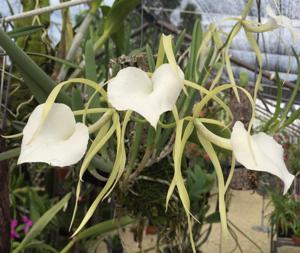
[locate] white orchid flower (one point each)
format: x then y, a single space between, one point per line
260 152
59 141
132 89
282 21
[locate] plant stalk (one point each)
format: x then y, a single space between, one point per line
44 10
80 35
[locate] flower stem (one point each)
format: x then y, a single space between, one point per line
100 122
215 139
268 26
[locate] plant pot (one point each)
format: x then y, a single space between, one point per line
118 249
282 233
296 239
61 172
151 230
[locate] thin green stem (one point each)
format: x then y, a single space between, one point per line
98 229
268 26
100 122
90 111
247 9
215 139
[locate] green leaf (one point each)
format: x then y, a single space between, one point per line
279 97
118 13
295 90
213 218
24 31
39 94
119 39
193 55
104 227
295 115
41 246
91 74
199 182
39 226
114 18
105 10
77 103
160 53
57 59
102 164
99 229
12 153
243 78
150 58
37 205
179 41
90 63
270 125
39 83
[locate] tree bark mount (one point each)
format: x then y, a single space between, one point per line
4 203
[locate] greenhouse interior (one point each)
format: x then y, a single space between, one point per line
149 126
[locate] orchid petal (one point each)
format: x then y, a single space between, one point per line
260 152
284 22
60 141
132 89
270 11
27 223
13 232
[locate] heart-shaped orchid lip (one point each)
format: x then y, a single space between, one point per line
260 152
132 89
60 141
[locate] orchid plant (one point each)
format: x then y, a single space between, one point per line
52 136
159 99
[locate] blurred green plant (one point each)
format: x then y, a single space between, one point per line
285 215
293 161
39 226
283 117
